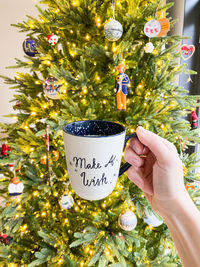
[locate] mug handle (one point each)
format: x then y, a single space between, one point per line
126 166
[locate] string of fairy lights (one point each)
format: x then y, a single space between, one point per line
34 112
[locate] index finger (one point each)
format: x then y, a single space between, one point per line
155 144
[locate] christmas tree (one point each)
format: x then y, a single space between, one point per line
71 69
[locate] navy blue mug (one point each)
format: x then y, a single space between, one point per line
93 151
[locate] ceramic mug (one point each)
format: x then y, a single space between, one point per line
93 151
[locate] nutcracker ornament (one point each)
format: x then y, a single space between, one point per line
121 83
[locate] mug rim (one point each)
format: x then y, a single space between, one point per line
95 136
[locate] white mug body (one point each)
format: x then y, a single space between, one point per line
93 163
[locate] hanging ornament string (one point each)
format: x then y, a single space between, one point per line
195 106
47 152
47 138
67 185
194 117
113 7
161 14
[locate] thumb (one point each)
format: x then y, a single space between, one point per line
154 143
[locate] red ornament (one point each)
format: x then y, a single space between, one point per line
4 150
17 105
194 119
5 239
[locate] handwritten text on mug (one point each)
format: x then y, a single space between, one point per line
83 164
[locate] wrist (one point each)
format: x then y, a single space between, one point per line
177 207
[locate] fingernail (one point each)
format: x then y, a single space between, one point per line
141 128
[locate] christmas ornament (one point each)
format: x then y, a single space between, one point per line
4 149
66 201
149 47
165 26
152 220
191 186
127 220
16 187
121 82
17 105
152 28
44 160
113 30
52 39
51 89
30 47
56 154
194 120
187 51
5 239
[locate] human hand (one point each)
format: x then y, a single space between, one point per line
159 174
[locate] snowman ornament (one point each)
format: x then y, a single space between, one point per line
16 187
149 47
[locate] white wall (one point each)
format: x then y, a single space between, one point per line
11 12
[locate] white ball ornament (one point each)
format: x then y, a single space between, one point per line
152 220
149 47
66 201
113 30
127 220
152 28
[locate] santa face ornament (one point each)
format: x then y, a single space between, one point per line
52 39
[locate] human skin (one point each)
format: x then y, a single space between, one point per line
160 175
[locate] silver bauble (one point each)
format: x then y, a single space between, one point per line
113 30
127 220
